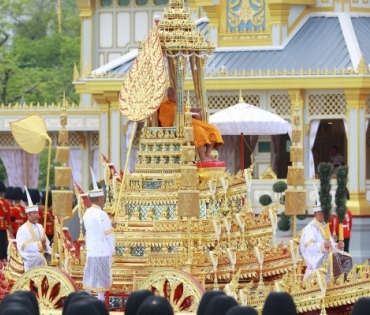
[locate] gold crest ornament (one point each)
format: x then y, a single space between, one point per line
144 88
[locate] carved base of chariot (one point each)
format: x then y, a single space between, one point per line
50 285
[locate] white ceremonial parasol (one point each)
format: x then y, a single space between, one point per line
250 120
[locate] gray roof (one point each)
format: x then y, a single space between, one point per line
362 29
318 44
203 28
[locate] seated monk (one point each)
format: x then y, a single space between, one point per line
206 136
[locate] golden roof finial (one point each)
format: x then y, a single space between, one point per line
87 71
240 97
361 68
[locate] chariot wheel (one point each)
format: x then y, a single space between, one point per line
51 286
180 288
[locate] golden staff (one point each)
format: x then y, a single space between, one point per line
47 181
143 90
125 168
30 134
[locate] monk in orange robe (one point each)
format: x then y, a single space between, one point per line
206 136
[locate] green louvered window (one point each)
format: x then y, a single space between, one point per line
123 3
106 3
160 2
141 2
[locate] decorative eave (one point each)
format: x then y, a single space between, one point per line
86 8
248 82
79 118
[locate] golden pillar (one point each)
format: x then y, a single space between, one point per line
356 155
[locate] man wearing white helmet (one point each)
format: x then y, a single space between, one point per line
32 243
100 245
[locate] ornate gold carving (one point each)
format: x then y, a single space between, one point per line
62 202
143 90
51 284
188 118
295 176
362 67
246 12
63 136
62 155
268 174
297 120
295 202
188 203
188 134
62 176
63 120
296 154
178 32
189 176
296 136
187 153
166 283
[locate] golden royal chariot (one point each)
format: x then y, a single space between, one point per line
181 227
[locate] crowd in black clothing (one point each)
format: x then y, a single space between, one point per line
146 303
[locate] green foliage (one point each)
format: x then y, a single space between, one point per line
341 193
36 62
324 170
284 222
279 187
43 169
3 175
265 200
302 216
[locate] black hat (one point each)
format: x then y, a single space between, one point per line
50 202
135 300
156 305
8 193
35 195
2 187
279 303
220 304
17 193
206 298
24 196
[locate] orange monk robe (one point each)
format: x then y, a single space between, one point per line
203 133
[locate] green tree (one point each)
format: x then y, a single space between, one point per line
44 167
3 175
35 60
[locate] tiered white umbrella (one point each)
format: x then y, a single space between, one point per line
247 119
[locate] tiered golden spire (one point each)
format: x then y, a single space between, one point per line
177 30
295 198
62 199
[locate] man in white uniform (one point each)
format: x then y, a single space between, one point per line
32 243
100 245
316 249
